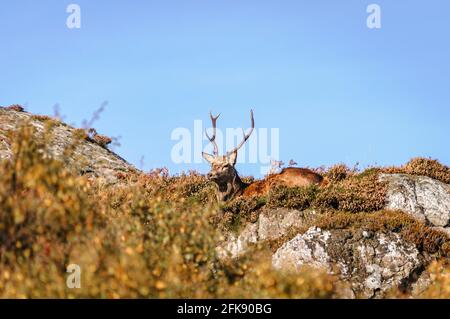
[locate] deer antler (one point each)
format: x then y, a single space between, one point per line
246 136
213 138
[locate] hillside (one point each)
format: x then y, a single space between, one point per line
90 156
65 198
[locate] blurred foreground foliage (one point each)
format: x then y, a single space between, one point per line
150 236
154 235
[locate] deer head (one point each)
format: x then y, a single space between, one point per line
223 172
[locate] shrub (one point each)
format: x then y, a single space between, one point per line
149 236
296 197
253 277
41 118
338 172
15 107
358 193
425 167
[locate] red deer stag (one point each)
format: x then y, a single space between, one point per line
224 175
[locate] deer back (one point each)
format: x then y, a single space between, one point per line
290 177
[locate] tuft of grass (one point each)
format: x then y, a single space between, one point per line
424 167
15 107
240 211
296 198
42 118
356 193
99 139
338 172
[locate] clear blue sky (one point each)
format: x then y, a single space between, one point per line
338 91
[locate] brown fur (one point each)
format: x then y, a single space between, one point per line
227 181
290 177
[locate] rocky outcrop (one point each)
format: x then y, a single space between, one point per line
423 197
272 224
372 262
89 157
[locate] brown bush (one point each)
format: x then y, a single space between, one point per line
42 118
295 197
338 172
240 211
15 107
424 167
253 276
358 193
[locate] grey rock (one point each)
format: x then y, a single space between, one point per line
423 197
372 265
88 157
271 224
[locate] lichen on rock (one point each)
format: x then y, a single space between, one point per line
424 198
372 263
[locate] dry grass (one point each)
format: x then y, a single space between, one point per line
42 118
424 167
101 140
356 193
346 191
15 107
154 235
150 236
253 277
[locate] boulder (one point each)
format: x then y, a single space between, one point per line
423 197
89 157
373 263
271 224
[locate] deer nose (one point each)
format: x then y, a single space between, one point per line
211 176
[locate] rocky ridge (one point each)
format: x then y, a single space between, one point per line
372 263
89 157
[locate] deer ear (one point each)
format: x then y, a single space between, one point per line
208 157
232 158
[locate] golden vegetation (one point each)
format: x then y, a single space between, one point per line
440 276
347 191
154 235
425 167
150 236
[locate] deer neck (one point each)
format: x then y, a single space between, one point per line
230 189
